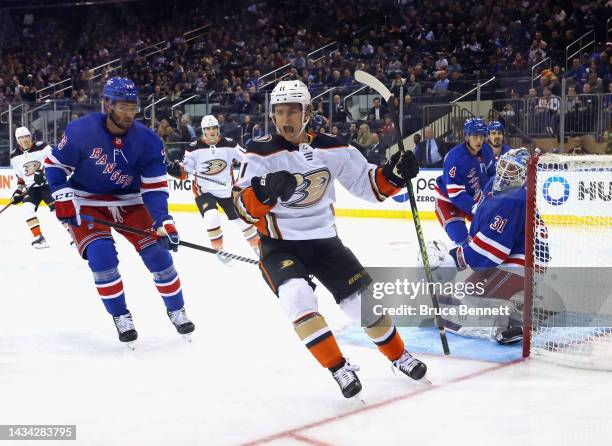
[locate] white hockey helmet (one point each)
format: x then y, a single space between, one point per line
511 169
22 131
209 121
290 92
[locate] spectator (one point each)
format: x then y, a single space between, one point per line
339 114
440 87
431 151
365 138
247 128
352 133
547 111
377 112
186 130
167 133
412 115
413 87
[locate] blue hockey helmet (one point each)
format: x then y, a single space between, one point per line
495 125
120 89
474 126
511 169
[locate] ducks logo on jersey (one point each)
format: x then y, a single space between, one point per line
310 188
213 167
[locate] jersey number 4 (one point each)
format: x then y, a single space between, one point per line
498 224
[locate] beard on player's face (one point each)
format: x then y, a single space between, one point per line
122 120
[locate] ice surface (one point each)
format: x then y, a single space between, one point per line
246 378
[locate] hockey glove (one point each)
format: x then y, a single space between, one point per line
270 187
67 209
443 263
39 178
174 169
401 168
169 237
17 196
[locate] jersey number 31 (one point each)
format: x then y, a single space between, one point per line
498 224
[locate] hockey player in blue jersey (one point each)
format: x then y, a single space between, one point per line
110 167
495 139
465 173
496 251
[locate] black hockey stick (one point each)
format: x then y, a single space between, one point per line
151 232
379 87
6 207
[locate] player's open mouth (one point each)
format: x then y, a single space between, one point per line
288 128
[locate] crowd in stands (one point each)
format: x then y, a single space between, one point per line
434 50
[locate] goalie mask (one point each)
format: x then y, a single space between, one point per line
511 170
291 92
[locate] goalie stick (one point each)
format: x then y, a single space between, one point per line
133 230
379 87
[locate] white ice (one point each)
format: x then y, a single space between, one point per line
246 378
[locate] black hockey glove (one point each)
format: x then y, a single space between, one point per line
174 169
39 178
270 187
17 196
401 168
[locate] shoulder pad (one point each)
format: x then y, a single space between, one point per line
268 145
327 141
227 142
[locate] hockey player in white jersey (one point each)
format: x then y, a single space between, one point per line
27 161
210 160
286 188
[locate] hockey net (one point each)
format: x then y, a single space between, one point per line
567 311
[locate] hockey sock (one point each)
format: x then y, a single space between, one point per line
318 338
103 262
385 336
34 226
457 232
159 262
248 231
212 221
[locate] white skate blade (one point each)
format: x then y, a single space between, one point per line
187 337
40 245
131 346
359 398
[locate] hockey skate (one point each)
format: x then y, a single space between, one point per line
125 329
40 242
410 366
181 322
347 379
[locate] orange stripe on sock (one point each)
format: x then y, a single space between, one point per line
36 232
394 348
327 352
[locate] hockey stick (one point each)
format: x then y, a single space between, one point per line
379 87
133 230
5 207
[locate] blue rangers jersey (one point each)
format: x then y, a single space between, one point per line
108 170
497 233
464 176
504 149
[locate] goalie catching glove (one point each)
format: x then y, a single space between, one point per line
444 264
401 168
168 234
270 187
